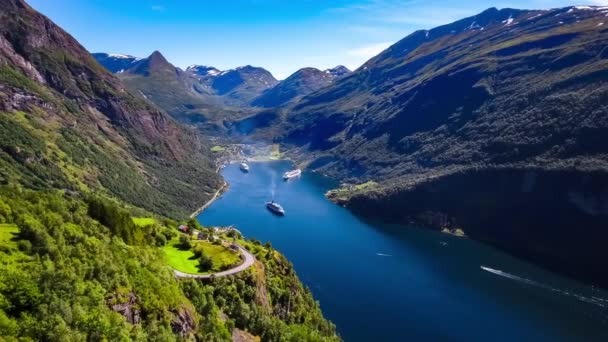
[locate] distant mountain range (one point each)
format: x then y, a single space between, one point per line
209 97
234 87
189 96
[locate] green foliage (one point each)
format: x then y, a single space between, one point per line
14 78
118 220
187 259
185 243
194 224
144 221
79 156
63 267
205 263
269 301
66 262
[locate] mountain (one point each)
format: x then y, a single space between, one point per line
91 180
155 64
180 93
300 83
68 123
115 63
493 124
243 84
234 87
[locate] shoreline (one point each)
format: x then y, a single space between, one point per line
217 194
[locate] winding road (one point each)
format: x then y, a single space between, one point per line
249 260
215 196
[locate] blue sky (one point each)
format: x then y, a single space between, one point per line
279 35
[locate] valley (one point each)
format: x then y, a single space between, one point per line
454 187
494 109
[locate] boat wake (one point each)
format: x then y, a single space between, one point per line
384 255
594 300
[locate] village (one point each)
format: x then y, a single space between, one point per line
232 153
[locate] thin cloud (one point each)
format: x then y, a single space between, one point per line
369 51
158 8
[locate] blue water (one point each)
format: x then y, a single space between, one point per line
394 283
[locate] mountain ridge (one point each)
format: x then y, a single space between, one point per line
300 83
50 78
501 102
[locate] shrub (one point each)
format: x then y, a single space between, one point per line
160 240
25 246
184 242
204 263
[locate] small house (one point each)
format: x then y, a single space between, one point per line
234 247
202 236
183 228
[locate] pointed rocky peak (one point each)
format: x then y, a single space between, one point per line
156 63
157 58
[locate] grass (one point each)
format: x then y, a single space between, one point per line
366 186
217 149
184 260
345 192
9 250
8 232
144 221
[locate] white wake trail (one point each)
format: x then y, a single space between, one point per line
597 301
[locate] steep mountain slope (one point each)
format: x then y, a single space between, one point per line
115 63
78 155
67 123
502 87
473 121
300 83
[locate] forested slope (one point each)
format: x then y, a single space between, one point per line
79 157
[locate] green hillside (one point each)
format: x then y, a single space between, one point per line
84 165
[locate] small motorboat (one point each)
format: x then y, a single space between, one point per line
275 208
244 167
292 174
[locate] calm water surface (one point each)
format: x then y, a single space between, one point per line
395 283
